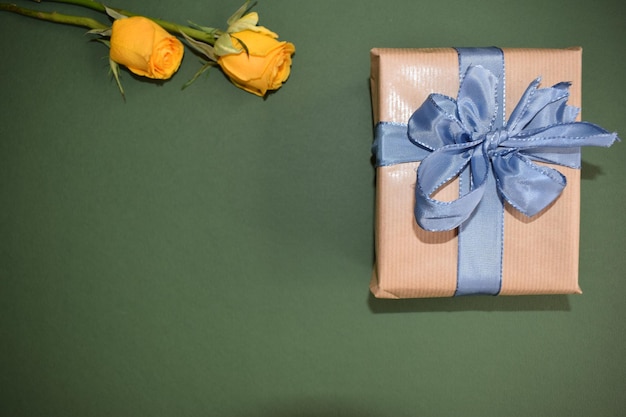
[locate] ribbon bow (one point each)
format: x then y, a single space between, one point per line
461 136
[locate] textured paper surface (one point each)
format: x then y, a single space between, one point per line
540 252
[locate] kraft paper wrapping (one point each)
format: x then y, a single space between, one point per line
540 252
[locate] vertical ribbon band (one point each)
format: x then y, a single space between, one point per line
480 238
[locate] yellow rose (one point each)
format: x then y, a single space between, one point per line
264 64
145 48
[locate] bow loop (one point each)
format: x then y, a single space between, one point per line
436 170
435 124
528 187
543 107
476 106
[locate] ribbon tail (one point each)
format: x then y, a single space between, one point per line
568 157
562 135
560 143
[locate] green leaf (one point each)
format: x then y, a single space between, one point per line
243 45
204 48
201 71
224 45
114 13
115 70
205 29
246 22
104 41
240 12
100 32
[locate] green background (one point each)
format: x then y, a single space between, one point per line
207 253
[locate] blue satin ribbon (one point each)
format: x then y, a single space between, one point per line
468 139
483 231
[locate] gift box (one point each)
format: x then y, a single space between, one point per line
507 250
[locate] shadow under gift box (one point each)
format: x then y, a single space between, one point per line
540 253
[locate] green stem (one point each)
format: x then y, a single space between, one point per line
54 17
85 3
169 26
